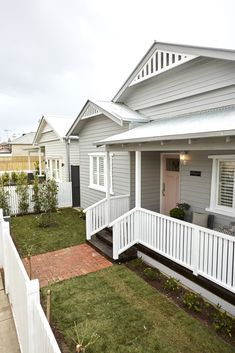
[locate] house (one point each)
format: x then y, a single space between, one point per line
59 153
19 158
182 151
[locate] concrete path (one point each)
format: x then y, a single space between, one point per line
8 337
66 263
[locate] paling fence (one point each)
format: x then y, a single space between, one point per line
206 252
64 197
33 330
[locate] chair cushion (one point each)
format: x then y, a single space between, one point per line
201 219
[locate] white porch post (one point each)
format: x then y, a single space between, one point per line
40 161
107 158
137 179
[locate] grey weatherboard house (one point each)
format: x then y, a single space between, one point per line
167 136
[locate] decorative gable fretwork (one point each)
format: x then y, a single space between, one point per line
90 111
159 62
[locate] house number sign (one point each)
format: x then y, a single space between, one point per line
195 173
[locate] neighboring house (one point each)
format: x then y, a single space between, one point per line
183 151
5 148
60 154
21 158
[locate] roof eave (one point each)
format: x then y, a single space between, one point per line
167 138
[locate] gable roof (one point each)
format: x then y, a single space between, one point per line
59 125
186 51
25 139
217 122
117 112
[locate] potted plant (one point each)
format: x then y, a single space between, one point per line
179 211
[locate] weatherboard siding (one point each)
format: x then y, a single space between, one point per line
193 190
200 84
96 129
74 152
150 180
47 136
57 150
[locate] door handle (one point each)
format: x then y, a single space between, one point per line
163 189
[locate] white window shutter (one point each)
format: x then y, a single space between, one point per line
226 183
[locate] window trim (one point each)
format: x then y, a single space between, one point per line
50 168
214 207
96 186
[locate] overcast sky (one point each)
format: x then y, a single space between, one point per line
57 53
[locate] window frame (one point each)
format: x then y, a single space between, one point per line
214 195
98 187
50 169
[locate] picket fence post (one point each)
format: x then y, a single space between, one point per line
32 298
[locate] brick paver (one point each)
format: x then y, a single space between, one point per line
66 263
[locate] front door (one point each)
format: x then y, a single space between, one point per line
170 182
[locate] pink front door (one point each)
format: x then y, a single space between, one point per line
170 182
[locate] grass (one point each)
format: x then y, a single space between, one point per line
69 230
128 315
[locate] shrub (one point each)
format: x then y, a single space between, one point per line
5 179
151 273
22 190
4 201
172 284
35 198
177 213
183 206
223 322
47 198
14 178
137 262
192 301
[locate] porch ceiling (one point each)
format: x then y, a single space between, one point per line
213 123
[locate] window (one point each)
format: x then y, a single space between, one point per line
223 185
54 169
98 171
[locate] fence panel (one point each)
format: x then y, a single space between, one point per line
33 331
64 197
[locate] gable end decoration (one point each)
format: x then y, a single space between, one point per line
90 111
159 62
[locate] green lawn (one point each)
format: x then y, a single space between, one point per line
128 315
68 231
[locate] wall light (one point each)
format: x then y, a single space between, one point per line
183 158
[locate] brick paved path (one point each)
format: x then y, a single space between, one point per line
66 263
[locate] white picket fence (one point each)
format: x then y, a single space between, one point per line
64 197
206 252
33 330
97 217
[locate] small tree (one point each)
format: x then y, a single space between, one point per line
48 199
5 179
14 178
36 200
22 190
4 201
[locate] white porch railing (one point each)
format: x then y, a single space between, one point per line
33 331
64 197
206 252
98 216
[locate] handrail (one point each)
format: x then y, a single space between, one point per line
123 216
119 197
94 205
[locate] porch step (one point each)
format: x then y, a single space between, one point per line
106 237
103 243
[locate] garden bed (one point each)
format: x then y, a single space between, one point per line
191 302
68 229
127 315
